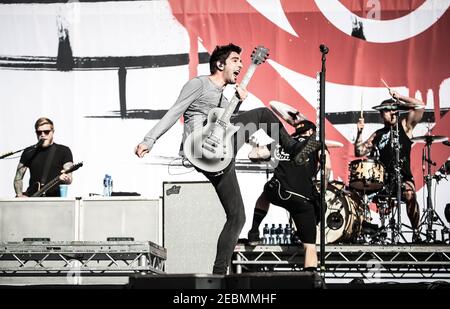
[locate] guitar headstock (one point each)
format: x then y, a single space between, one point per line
260 54
73 168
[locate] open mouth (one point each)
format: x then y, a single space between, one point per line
236 73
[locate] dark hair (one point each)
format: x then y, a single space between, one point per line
41 121
221 54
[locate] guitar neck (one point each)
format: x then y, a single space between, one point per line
56 180
235 100
47 187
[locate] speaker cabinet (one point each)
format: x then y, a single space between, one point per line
48 217
136 217
192 221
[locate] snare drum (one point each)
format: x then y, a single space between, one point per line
366 175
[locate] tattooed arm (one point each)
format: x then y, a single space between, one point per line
414 116
18 179
362 148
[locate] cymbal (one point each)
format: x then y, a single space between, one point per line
430 139
287 112
333 144
398 107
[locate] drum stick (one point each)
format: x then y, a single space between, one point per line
361 115
389 88
382 80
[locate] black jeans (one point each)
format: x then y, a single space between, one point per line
227 186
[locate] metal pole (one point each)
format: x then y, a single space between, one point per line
399 181
428 181
324 51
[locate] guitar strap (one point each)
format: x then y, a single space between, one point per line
49 161
220 99
220 104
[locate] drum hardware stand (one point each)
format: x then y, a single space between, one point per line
429 214
383 229
395 144
365 200
367 217
380 237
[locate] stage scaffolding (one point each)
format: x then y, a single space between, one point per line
86 258
371 262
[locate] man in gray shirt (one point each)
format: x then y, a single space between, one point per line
196 99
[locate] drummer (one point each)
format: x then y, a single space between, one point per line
379 146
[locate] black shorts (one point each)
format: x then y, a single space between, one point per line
301 209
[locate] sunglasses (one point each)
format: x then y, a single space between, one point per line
46 132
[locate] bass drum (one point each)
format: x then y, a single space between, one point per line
342 216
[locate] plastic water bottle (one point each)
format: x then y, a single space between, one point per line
107 185
280 232
110 187
272 240
288 234
266 234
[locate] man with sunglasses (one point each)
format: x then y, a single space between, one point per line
46 161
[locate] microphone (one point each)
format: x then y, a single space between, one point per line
323 49
446 143
39 143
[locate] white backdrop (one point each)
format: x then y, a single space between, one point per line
84 104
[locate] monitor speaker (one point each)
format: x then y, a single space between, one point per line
192 221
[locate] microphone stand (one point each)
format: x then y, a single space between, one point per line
5 155
395 144
398 176
324 51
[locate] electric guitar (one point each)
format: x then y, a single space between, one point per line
210 148
55 181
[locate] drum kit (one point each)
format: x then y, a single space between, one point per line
347 216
